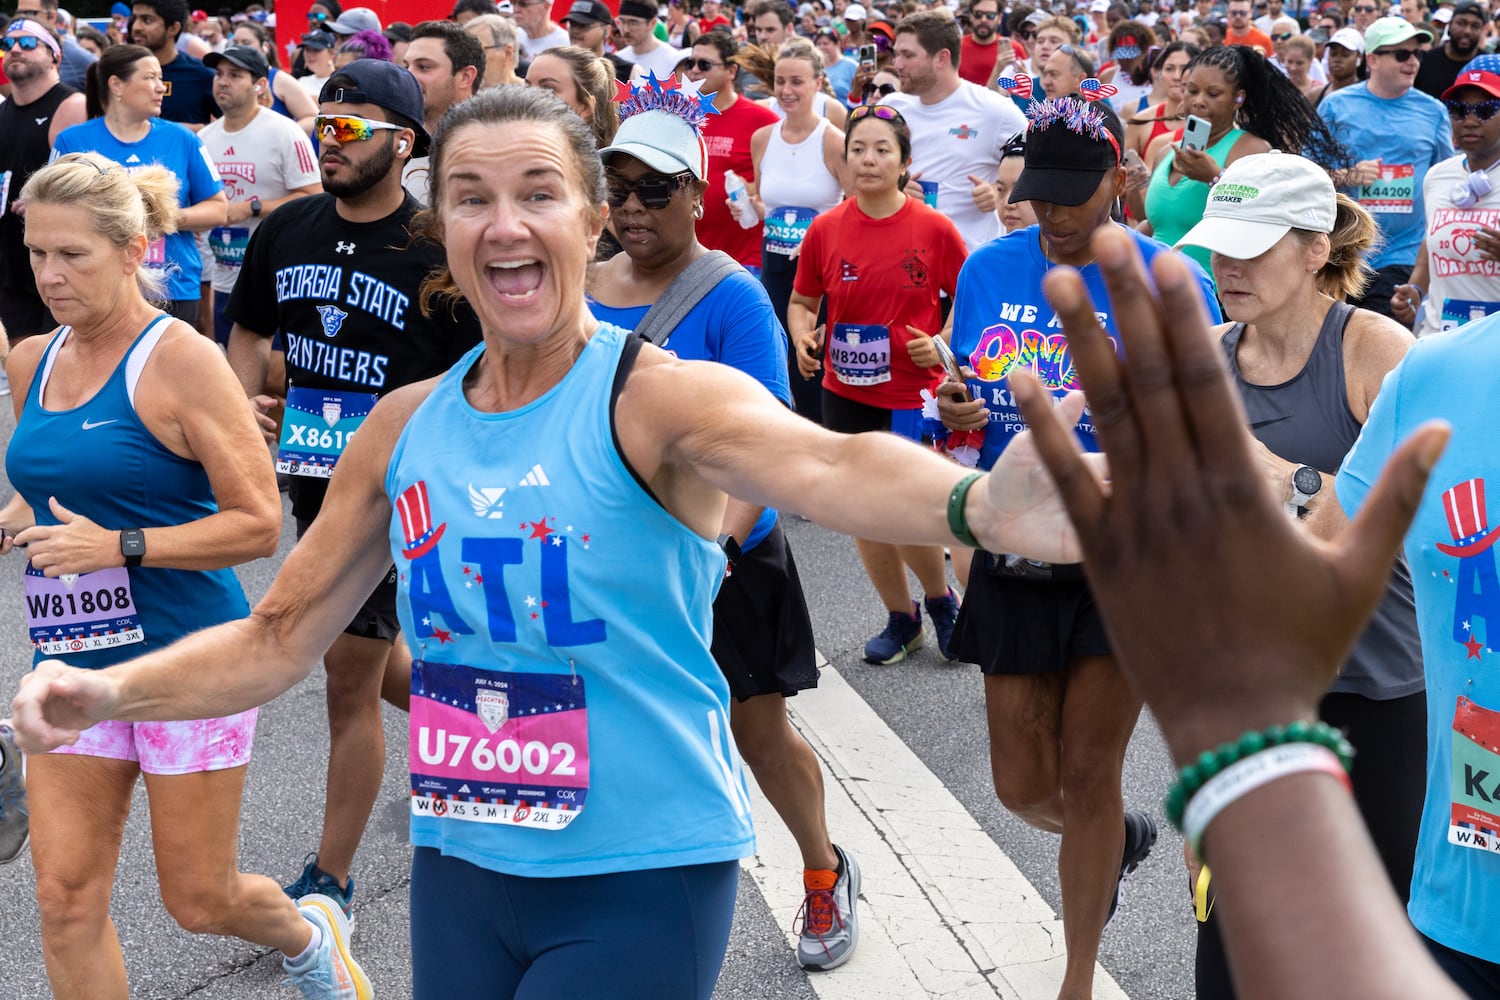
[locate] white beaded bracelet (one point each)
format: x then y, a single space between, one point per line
1244 776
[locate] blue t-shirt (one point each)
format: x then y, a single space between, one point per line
840 76
1407 135
1000 324
190 91
1455 891
176 148
735 325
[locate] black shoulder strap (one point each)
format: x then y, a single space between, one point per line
686 291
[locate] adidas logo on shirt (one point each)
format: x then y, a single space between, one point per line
229 151
536 477
132 158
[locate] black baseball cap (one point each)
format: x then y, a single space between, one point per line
1069 150
384 85
317 40
590 12
244 56
1470 8
638 8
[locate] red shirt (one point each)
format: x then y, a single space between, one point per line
727 136
879 275
976 62
705 25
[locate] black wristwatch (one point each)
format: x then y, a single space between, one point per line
255 207
731 549
133 546
1306 482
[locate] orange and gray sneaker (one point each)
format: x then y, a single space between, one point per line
829 921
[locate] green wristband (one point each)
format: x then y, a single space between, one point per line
958 522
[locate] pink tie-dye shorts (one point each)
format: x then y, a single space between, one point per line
172 747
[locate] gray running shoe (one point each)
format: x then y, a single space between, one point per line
331 973
829 920
15 821
1140 837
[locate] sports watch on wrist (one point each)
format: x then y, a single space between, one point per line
1306 482
255 207
133 545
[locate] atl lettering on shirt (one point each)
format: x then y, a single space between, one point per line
1001 327
344 295
101 462
1455 891
561 724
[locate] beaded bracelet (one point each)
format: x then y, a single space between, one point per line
1245 776
1210 762
958 521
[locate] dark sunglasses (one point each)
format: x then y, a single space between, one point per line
654 190
1283 36
25 43
1024 33
884 90
701 65
1483 110
884 112
986 15
1365 10
1401 55
319 16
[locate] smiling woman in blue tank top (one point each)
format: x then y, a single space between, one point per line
552 503
1286 253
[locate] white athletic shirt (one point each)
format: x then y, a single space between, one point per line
954 138
1463 285
533 47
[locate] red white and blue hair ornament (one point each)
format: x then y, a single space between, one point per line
682 98
1093 90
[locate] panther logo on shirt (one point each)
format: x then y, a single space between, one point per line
333 319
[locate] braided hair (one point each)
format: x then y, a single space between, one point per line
1274 109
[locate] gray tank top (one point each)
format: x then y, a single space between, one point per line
1307 420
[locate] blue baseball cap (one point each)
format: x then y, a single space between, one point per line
384 85
119 10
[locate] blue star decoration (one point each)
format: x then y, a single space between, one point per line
681 99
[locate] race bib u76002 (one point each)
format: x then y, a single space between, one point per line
489 746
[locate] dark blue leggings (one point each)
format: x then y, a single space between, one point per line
658 934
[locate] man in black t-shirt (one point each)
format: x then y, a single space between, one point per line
189 99
338 276
1441 63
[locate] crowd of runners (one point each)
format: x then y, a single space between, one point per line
695 270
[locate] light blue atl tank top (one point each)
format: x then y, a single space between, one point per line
100 461
567 716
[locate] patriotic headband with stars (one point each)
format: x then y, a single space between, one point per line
1078 116
681 98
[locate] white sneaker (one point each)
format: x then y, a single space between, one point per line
830 922
331 973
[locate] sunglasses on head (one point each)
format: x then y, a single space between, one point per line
884 90
1483 110
884 112
347 128
25 43
701 65
1400 55
654 190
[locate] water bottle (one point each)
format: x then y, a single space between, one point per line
739 198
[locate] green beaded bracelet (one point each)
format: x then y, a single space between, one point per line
958 522
1210 762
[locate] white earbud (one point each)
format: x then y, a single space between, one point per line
401 148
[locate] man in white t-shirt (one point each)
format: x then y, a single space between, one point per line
538 33
637 21
263 157
958 130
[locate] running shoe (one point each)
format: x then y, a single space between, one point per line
330 973
15 821
903 633
316 880
829 919
1140 837
944 614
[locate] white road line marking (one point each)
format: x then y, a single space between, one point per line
943 911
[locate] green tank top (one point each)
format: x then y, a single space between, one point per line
1173 209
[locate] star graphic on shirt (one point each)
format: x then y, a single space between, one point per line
426 621
442 635
1473 645
557 539
466 571
534 615
530 601
540 530
479 578
1467 626
468 584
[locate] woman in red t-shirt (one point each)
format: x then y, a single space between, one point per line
882 260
